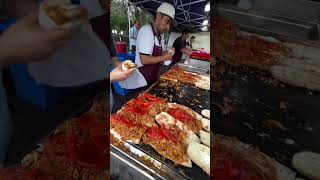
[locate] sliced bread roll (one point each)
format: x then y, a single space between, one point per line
205 137
296 77
299 50
200 155
308 65
308 164
206 113
166 119
205 124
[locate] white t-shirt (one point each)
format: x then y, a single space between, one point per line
145 42
133 32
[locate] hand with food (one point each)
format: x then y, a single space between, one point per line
27 41
128 65
119 75
167 56
172 50
63 13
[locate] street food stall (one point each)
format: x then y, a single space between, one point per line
164 132
265 89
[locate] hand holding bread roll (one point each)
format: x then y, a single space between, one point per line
62 13
128 65
170 54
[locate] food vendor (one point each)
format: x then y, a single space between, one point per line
150 43
192 39
180 46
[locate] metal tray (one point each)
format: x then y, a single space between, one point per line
195 69
199 63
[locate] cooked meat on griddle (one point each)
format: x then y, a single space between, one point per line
248 50
167 144
126 128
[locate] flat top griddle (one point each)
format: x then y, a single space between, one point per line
195 98
256 98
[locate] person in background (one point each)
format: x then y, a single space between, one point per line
150 43
192 39
101 26
133 35
180 45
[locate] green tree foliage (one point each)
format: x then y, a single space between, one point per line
119 18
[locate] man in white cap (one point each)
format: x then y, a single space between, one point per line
149 52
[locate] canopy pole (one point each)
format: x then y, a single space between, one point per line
129 22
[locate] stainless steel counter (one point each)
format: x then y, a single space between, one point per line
268 23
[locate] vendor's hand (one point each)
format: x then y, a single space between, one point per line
189 48
27 41
120 75
167 56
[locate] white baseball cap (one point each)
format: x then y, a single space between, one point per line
168 10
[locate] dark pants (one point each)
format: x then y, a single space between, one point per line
133 49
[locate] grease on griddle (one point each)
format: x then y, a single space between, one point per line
266 105
244 79
264 136
221 69
283 157
196 101
216 86
226 108
289 141
283 105
267 113
309 128
274 124
251 115
310 92
248 125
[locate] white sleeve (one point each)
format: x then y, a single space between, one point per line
130 33
145 40
162 42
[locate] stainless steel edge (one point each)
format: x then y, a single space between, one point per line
194 69
138 168
271 23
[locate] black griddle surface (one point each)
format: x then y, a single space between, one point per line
255 100
192 97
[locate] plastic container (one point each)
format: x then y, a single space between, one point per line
121 47
122 57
